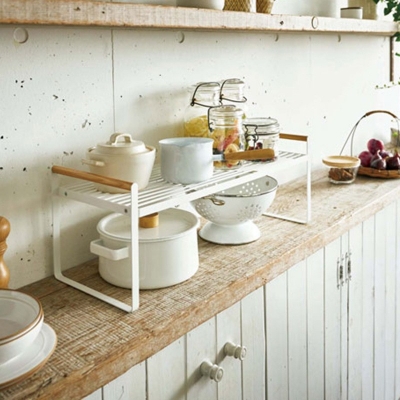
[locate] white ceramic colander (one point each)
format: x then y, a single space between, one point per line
230 212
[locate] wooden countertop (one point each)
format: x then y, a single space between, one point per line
98 342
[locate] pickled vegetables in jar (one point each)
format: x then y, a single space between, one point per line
226 129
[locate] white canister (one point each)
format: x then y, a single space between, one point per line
351 12
168 253
186 160
121 158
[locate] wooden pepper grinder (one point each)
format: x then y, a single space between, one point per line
4 271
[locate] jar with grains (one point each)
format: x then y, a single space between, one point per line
232 92
203 96
262 133
226 127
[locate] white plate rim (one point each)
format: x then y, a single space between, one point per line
31 361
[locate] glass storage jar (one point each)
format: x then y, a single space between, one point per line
232 92
203 96
262 133
226 128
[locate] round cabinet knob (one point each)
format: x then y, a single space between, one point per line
235 350
212 371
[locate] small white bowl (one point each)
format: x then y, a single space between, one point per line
210 4
21 319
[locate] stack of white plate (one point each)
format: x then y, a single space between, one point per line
26 341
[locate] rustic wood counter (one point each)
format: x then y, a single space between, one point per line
98 342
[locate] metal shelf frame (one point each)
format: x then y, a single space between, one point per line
160 195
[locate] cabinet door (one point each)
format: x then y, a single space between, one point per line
297 331
397 311
166 373
315 325
389 326
333 318
228 329
201 345
131 385
355 311
379 297
253 337
276 338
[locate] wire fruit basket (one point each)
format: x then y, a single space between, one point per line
369 171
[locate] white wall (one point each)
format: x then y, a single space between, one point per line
66 89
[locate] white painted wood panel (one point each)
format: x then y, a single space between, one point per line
276 338
201 345
228 329
166 373
97 395
397 352
344 247
390 301
253 337
297 331
379 296
355 313
131 385
315 325
368 312
333 329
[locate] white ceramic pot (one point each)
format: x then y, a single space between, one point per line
128 160
186 160
168 253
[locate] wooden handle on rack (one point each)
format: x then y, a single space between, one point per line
4 271
88 176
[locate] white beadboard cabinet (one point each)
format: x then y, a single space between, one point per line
327 328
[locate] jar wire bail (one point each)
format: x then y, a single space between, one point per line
221 97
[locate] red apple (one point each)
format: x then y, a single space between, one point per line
365 158
374 145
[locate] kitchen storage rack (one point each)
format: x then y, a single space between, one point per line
160 195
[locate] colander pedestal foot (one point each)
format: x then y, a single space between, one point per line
230 234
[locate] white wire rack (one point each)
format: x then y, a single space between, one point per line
160 195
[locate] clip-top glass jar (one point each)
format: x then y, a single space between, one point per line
203 96
232 91
226 127
262 133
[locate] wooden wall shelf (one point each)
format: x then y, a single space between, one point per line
127 15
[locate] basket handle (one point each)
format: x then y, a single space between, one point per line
379 111
353 130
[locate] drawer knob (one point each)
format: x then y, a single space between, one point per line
235 350
212 371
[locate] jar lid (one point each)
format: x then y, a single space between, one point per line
261 125
206 87
125 146
341 161
229 111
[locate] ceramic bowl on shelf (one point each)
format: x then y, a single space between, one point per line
210 4
21 319
230 213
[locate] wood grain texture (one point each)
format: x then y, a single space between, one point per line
103 13
97 342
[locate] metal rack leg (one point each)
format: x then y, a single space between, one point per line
134 255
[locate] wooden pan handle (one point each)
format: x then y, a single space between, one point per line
262 154
4 271
88 176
